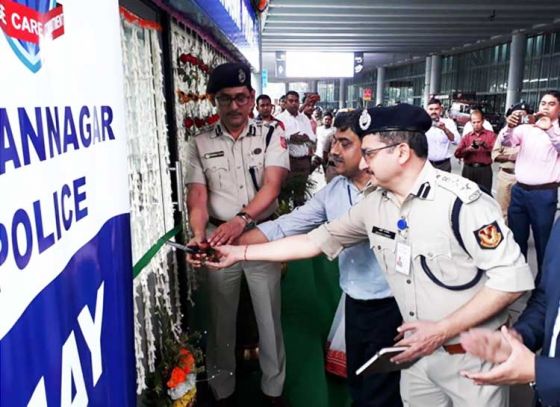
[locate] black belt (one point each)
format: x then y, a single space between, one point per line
375 301
217 222
508 170
477 165
439 162
550 185
305 157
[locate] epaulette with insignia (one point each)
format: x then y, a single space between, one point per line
217 129
466 190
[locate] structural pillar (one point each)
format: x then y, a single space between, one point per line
435 75
342 96
516 63
380 85
427 80
314 86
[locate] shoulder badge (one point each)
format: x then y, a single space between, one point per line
489 236
466 190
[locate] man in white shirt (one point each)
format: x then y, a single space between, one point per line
301 145
441 135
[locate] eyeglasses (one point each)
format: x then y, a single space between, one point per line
240 99
369 153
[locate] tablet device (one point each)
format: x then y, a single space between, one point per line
381 361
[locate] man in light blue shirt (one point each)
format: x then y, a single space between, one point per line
371 312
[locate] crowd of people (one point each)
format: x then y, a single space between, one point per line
428 260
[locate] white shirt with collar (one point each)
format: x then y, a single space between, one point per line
295 124
438 143
468 128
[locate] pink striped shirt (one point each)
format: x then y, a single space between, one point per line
538 160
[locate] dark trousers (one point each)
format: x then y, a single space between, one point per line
534 209
370 326
444 165
295 184
481 175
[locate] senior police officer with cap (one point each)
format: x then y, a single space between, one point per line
448 256
234 174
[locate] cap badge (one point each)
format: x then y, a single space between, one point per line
365 120
241 76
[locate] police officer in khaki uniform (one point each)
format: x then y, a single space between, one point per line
449 258
506 156
234 174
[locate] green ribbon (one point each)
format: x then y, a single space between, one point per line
149 255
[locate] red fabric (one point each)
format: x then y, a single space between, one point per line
335 361
481 155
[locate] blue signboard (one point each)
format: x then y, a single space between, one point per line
66 310
238 21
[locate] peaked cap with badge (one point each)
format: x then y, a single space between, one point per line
519 106
229 75
401 117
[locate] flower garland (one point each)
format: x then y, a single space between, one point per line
150 185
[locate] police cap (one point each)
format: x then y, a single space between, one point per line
229 75
401 117
519 106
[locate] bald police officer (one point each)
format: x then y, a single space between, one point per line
234 174
448 256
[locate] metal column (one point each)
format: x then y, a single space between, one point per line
427 80
516 63
342 96
380 85
435 75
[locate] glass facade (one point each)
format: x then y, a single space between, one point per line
483 72
542 67
405 83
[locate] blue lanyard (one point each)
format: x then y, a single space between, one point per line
349 195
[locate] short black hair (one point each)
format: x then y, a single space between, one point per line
434 101
344 120
416 140
261 97
553 93
328 114
283 97
292 93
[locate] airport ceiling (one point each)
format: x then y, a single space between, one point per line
389 30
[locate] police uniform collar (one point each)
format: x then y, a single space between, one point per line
218 130
424 187
249 130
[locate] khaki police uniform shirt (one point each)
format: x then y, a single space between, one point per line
501 149
223 164
427 211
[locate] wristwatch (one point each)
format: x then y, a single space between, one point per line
249 222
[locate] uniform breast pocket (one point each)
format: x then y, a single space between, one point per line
216 170
384 250
434 258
